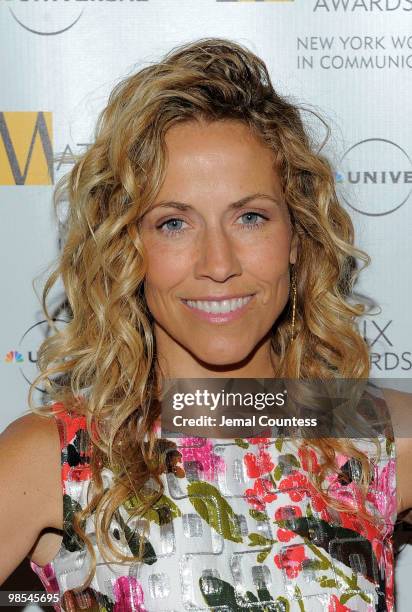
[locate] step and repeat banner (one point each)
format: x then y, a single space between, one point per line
350 60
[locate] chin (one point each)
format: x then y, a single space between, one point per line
221 357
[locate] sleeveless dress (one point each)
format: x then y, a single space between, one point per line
239 527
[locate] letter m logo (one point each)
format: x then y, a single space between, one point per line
26 150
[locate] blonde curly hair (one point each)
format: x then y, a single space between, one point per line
102 363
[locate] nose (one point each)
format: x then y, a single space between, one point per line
216 256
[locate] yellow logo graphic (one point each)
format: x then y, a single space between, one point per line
26 148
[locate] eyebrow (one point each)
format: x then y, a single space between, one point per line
233 205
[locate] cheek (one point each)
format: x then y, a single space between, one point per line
270 258
165 271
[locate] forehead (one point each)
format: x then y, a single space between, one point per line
215 137
227 149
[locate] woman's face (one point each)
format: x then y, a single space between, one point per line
219 243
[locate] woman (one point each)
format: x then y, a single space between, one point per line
204 240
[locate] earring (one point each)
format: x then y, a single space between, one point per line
293 283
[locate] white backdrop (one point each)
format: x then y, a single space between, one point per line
351 59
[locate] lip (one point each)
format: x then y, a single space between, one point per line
224 317
217 298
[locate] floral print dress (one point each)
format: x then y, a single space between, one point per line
239 527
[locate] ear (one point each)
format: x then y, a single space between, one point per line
294 248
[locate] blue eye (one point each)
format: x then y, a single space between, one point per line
253 225
172 229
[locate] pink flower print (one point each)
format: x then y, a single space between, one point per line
336 606
265 489
389 563
343 486
295 485
286 513
318 502
258 440
200 451
262 492
285 535
308 460
349 495
257 465
128 593
254 501
382 491
47 576
283 514
340 460
378 549
359 524
291 561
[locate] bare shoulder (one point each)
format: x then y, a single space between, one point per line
30 481
31 440
30 457
400 407
28 425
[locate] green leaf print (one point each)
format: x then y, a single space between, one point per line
345 598
242 443
262 555
309 512
163 511
317 564
278 472
353 582
290 459
351 542
217 592
133 540
327 583
105 602
298 596
265 597
279 444
326 564
389 447
257 515
214 509
71 541
257 539
282 605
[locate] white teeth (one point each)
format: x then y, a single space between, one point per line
219 307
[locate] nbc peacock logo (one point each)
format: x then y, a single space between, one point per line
14 357
26 148
25 355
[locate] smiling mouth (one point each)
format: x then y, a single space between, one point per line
219 306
